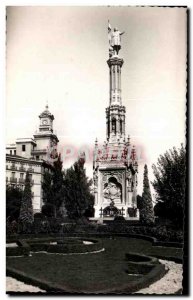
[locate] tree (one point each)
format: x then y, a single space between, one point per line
53 186
89 212
58 183
26 210
77 190
169 184
47 187
146 212
139 202
13 202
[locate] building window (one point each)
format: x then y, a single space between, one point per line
30 176
12 174
21 175
14 152
23 148
37 157
11 152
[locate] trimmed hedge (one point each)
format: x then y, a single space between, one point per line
53 226
156 273
150 273
67 245
36 247
76 248
138 258
17 251
69 241
139 268
23 249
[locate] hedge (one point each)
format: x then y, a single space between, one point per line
17 251
36 247
151 273
135 257
75 248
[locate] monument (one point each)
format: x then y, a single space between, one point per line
115 164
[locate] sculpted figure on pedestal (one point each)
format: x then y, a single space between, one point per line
114 40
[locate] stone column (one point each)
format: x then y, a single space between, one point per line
115 64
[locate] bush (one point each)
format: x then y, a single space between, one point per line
48 210
55 225
23 249
17 251
36 247
119 219
41 225
69 241
161 233
40 216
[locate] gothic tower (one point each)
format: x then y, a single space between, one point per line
115 164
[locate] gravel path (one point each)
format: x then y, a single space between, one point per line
170 283
13 285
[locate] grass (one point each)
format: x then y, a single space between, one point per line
90 272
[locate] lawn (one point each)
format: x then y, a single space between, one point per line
92 272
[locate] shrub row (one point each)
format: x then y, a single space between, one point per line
36 247
161 233
67 245
75 248
138 258
17 251
53 227
152 274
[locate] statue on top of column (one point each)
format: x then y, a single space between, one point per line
114 40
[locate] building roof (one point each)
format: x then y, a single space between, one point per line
11 146
18 158
25 140
22 159
46 113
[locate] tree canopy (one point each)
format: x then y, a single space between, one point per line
78 198
170 186
53 187
13 202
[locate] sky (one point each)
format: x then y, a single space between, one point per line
58 55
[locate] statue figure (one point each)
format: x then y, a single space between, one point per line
112 191
114 40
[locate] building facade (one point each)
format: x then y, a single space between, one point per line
32 155
115 164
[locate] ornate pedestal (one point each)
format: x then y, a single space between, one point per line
115 185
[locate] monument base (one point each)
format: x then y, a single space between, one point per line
109 212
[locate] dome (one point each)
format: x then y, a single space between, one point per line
46 113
